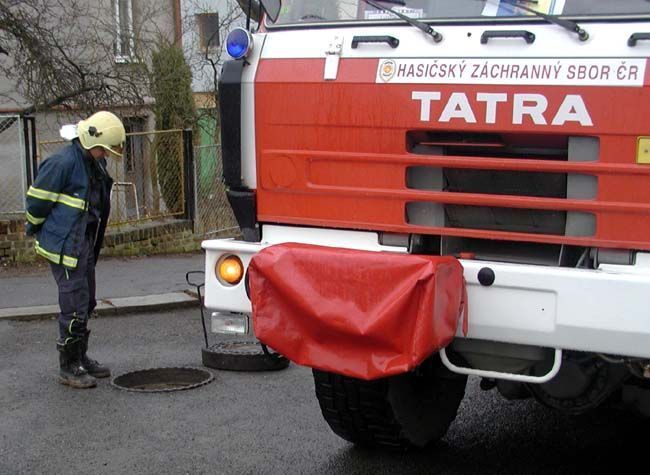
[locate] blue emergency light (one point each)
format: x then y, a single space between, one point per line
239 43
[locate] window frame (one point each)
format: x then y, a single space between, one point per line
204 40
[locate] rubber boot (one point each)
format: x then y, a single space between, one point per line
72 372
93 367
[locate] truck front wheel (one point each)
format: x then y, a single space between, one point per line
399 412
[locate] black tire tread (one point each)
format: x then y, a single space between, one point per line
358 411
361 412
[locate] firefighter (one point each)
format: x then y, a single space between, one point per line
67 210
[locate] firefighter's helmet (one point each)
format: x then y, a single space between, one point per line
102 129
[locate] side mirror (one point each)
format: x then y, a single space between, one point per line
271 7
254 8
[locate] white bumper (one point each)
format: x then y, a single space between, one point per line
605 310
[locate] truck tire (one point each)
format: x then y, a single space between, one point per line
402 412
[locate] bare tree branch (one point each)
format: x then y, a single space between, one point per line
61 53
61 99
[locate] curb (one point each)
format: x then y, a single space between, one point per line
108 307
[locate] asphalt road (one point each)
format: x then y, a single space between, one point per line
257 422
116 277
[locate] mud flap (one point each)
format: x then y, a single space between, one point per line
358 313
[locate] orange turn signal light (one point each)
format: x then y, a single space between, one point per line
229 270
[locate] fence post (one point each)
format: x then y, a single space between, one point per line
188 162
29 132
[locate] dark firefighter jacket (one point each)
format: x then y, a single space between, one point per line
57 205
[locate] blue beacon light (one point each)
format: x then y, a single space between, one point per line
239 43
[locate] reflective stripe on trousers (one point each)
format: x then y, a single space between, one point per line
76 293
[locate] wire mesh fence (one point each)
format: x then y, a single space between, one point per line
214 217
12 161
149 178
150 182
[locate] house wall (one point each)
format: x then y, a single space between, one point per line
230 16
152 20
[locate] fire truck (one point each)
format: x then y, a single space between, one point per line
434 189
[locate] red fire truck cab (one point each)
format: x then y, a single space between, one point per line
432 189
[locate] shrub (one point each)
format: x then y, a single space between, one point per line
171 87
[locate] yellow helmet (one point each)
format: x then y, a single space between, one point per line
102 129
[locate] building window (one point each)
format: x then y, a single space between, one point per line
124 44
133 148
208 30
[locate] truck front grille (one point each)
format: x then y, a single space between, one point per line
492 177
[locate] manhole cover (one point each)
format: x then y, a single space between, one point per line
159 380
244 355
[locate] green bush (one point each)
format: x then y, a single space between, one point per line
171 86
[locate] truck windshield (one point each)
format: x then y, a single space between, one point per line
317 11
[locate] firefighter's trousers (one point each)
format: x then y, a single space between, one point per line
76 294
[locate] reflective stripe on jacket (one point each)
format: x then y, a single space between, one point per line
57 205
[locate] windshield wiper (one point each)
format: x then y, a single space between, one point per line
437 37
572 26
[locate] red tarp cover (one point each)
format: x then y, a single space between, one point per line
359 313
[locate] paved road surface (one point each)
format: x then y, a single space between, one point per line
256 423
116 277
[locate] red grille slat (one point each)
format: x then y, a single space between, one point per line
478 163
303 160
